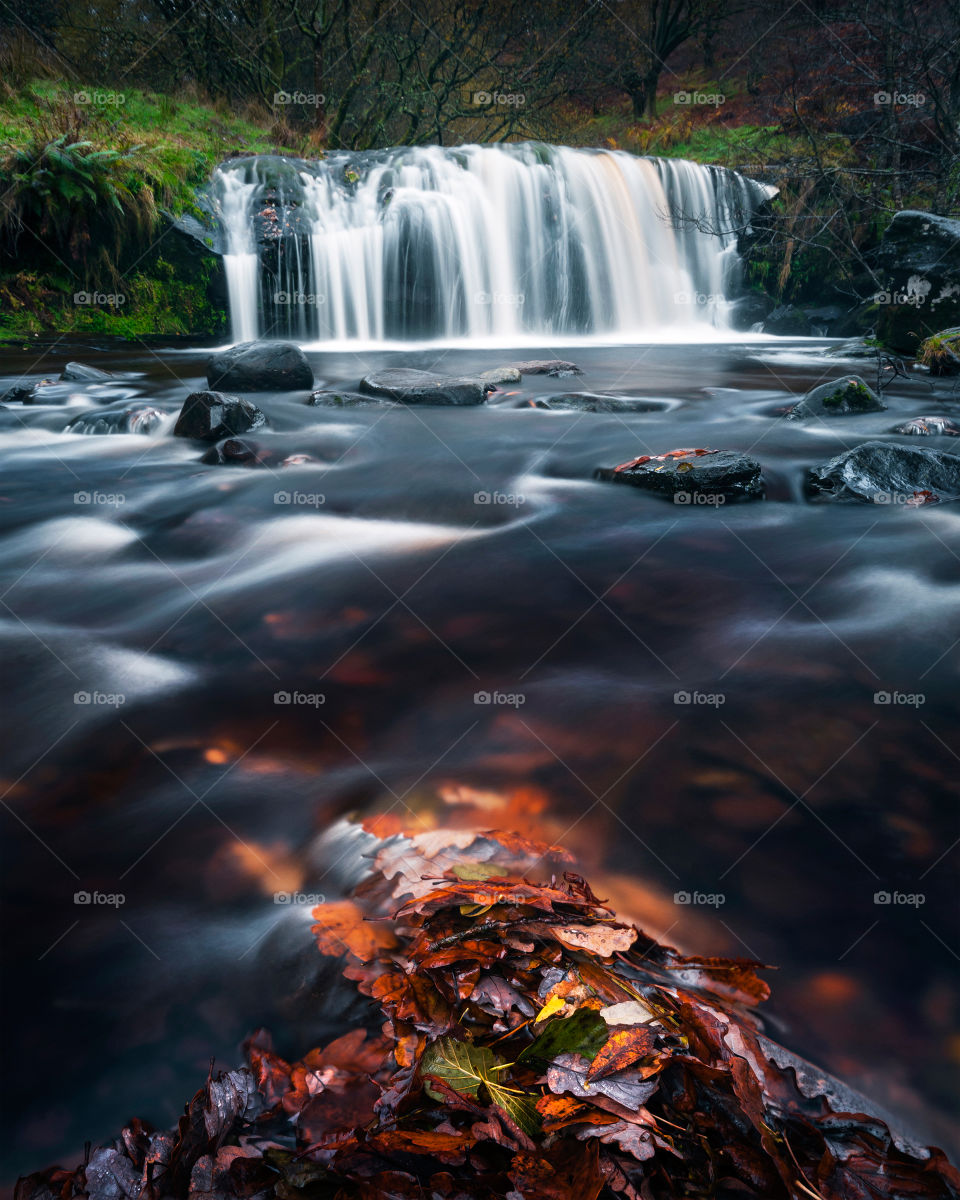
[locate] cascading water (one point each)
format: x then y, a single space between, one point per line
478 241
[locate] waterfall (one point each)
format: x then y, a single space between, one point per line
497 241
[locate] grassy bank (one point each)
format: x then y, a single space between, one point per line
88 177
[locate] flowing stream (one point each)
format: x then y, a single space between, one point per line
210 669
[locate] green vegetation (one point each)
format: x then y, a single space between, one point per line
87 176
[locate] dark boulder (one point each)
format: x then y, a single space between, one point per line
241 452
918 260
887 473
29 393
828 320
928 427
424 387
76 372
838 398
750 310
210 416
692 476
555 367
129 419
788 321
261 367
236 452
324 399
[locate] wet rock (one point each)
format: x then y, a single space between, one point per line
29 393
839 398
853 348
919 261
591 402
751 311
323 399
555 367
941 353
236 452
132 419
424 387
210 416
887 473
827 320
77 372
788 321
501 375
928 427
261 367
692 476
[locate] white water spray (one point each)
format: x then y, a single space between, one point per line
496 241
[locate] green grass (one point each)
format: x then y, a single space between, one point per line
178 141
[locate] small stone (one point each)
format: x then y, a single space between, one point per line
210 416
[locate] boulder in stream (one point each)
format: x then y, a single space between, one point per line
695 477
554 367
928 427
210 416
839 398
31 393
331 399
261 367
501 375
887 473
425 387
77 372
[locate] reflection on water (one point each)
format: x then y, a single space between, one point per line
206 667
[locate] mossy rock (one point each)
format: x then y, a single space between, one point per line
839 398
941 353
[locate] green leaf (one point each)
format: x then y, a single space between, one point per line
583 1033
466 1068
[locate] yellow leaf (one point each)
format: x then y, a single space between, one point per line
554 1004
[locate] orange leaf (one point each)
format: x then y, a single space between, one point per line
621 1050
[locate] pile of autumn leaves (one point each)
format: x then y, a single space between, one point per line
525 1044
